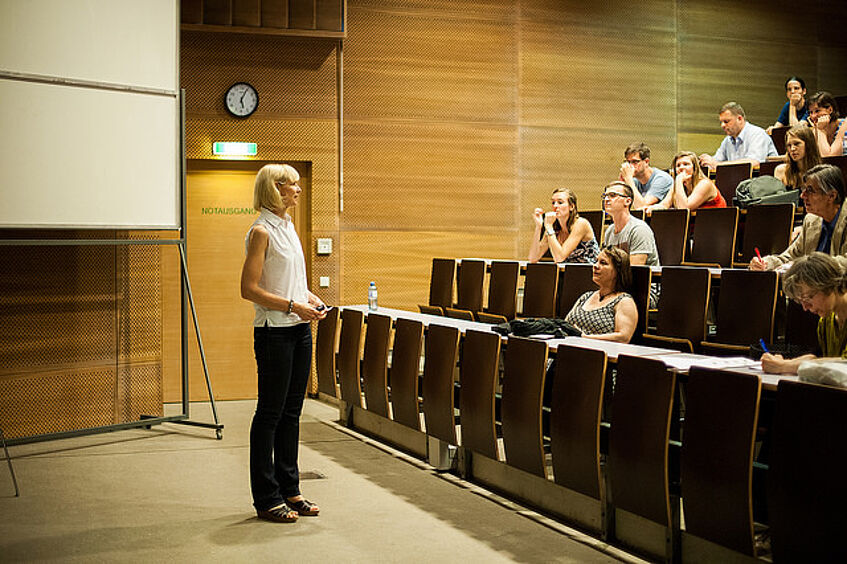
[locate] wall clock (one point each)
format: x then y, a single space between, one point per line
241 99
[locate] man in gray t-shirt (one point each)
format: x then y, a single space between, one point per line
630 233
649 185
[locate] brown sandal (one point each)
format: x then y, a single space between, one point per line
280 514
303 507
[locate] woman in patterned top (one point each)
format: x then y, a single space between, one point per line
608 313
818 283
567 237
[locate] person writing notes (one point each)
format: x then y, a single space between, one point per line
817 282
568 237
274 279
823 227
609 313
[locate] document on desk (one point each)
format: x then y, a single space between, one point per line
685 361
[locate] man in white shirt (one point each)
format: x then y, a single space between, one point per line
744 141
649 185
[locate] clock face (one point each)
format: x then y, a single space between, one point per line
241 99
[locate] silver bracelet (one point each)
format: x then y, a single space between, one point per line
290 306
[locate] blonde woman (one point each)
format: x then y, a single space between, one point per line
274 279
567 237
803 154
691 188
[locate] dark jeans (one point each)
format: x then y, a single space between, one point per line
283 358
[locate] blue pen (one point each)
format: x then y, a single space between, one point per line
764 346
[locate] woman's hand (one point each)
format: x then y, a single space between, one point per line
538 216
549 219
308 312
823 122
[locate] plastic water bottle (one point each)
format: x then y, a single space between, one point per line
372 296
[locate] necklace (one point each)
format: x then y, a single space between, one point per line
602 297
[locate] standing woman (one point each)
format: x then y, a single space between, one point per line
274 279
830 131
568 237
691 188
803 154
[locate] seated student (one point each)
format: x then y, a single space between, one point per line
818 283
568 237
609 313
649 185
830 131
823 227
691 188
795 110
744 142
627 232
803 154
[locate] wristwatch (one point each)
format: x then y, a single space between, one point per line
290 306
550 232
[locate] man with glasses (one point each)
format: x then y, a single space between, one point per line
824 225
649 185
627 232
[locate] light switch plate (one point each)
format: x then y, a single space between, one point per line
325 246
324 281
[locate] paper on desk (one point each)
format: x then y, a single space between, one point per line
685 361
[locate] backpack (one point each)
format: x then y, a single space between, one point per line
537 326
764 190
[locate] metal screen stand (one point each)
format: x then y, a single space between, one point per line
9 460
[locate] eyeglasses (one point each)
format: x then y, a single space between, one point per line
613 195
805 300
634 162
809 190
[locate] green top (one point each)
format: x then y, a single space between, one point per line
831 337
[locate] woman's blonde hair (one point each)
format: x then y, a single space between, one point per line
818 272
265 194
696 174
812 156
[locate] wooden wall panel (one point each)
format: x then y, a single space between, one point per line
768 21
425 175
217 12
832 62
329 14
246 13
275 13
411 66
301 14
400 261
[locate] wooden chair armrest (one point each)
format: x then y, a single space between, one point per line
701 264
723 349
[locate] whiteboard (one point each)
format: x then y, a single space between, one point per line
89 120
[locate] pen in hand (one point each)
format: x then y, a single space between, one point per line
764 346
758 254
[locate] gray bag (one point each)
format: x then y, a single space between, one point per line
764 190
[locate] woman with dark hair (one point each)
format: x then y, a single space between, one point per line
803 154
568 237
817 282
795 110
829 130
274 279
609 313
691 188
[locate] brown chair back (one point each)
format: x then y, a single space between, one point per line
801 327
595 218
670 228
375 364
431 310
768 168
746 306
574 282
458 313
683 303
326 345
841 162
490 318
349 356
713 236
479 374
778 137
539 295
640 291
405 369
767 228
575 411
441 356
503 288
523 388
441 282
806 479
721 414
727 177
469 284
638 439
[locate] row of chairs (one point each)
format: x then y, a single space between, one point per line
645 471
745 307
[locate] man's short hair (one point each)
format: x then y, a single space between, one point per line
640 148
625 188
734 108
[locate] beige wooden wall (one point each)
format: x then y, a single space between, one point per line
461 117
